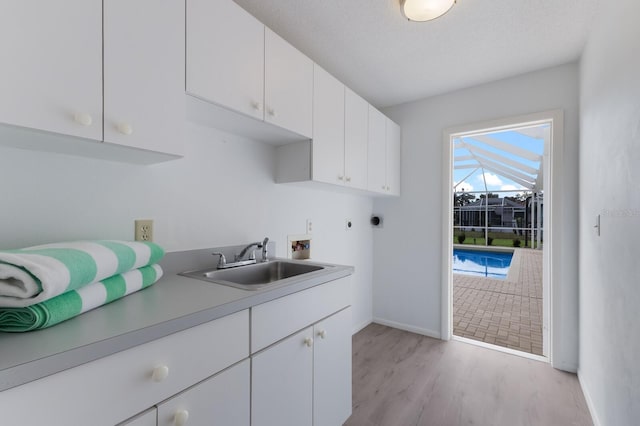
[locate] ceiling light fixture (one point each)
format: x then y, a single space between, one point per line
425 10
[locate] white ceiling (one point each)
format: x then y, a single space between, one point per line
388 60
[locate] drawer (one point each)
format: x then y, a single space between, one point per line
148 418
112 389
277 319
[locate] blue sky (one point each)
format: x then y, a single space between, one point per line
495 182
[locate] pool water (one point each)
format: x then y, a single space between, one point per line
478 263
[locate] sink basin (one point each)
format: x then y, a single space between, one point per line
257 276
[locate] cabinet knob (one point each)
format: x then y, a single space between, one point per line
83 118
308 341
272 112
257 106
125 128
384 187
160 373
322 334
348 179
181 417
341 177
388 188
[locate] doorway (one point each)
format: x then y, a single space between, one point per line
498 211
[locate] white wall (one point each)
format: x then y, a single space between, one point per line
610 186
221 193
408 254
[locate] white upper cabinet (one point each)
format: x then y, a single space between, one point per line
235 62
393 157
328 128
288 87
144 74
355 140
354 145
340 120
225 56
384 154
51 73
114 74
377 163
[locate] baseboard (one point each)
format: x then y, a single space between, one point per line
587 397
406 327
360 326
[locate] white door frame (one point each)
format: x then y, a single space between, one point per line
552 161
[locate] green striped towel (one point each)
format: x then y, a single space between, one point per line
35 274
76 302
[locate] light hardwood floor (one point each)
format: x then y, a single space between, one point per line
405 379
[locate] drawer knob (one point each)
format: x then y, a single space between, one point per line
272 112
83 118
348 179
322 334
308 341
340 177
160 373
125 128
181 417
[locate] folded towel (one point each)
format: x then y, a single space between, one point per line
35 274
76 302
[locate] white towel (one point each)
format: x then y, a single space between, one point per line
35 274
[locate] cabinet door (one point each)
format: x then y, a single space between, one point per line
377 154
144 74
225 56
148 418
282 382
328 128
332 370
355 139
288 90
222 400
393 158
51 74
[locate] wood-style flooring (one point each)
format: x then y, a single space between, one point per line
405 379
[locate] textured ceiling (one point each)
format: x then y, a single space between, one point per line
388 60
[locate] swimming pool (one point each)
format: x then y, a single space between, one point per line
478 263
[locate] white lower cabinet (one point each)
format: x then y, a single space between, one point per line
148 418
305 379
294 369
282 381
332 370
222 400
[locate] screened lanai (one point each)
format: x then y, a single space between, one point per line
499 187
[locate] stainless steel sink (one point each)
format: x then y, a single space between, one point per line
257 276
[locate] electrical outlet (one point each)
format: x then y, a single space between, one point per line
309 226
144 230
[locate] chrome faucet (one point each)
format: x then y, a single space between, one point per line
244 251
261 245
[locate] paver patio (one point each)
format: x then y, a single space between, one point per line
501 312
